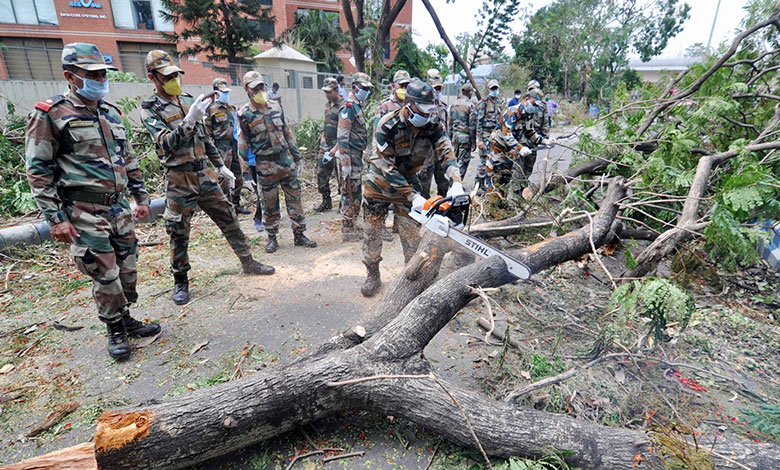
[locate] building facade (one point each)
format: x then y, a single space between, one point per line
33 32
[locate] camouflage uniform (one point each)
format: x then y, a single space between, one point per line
462 129
273 143
488 114
432 168
328 141
219 125
352 141
391 178
541 118
516 130
183 148
541 125
79 166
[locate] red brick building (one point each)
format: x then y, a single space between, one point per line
33 32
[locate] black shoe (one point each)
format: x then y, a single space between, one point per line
302 240
373 281
272 244
118 347
325 205
139 329
181 289
242 210
251 266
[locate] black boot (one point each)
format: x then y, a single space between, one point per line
373 280
237 205
272 244
181 289
118 347
302 240
251 266
325 205
139 329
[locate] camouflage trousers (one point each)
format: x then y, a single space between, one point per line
463 155
227 150
271 174
186 190
106 251
324 172
483 156
374 215
428 173
351 191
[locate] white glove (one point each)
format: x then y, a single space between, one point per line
548 142
525 151
326 157
418 202
248 181
456 189
299 166
197 109
225 171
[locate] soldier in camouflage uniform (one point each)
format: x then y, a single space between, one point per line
175 121
326 163
403 140
219 125
79 166
534 111
432 167
488 114
263 128
352 141
462 128
516 136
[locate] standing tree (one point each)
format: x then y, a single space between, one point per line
226 29
493 22
320 36
369 31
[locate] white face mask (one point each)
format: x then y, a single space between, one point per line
361 94
223 97
518 96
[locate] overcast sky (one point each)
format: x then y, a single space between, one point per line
460 17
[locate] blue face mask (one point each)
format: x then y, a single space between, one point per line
530 109
437 96
494 93
223 97
418 120
92 90
362 94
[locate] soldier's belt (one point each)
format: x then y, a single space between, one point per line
105 199
271 157
225 141
191 166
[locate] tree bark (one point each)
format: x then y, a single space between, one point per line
358 51
214 421
451 47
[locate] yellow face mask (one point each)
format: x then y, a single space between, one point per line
173 86
259 98
401 94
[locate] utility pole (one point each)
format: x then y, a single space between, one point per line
712 30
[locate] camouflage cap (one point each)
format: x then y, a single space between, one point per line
535 93
421 94
467 87
330 84
252 79
401 76
533 84
492 84
161 62
362 79
85 56
220 84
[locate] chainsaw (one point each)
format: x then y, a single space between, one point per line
446 216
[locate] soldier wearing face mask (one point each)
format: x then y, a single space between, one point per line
488 114
219 124
531 108
403 141
432 167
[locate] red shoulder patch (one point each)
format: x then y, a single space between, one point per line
348 104
45 105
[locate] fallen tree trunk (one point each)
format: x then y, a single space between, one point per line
387 373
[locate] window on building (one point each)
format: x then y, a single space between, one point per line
266 27
32 58
140 14
308 82
302 12
268 3
37 12
132 55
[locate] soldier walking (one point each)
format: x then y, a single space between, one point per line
488 114
79 166
263 128
403 141
463 128
219 124
326 163
175 121
352 141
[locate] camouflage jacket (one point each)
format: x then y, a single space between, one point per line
177 142
331 125
266 131
352 128
443 114
488 114
463 122
219 121
70 145
387 105
400 152
518 128
541 122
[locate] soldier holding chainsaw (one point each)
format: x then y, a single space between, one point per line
403 140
